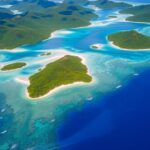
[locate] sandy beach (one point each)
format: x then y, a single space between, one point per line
14 50
117 47
22 80
60 33
62 87
57 55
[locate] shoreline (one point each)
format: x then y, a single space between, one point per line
59 88
147 23
117 47
14 50
97 46
11 70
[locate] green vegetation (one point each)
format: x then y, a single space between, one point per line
112 16
106 4
38 22
46 54
140 13
13 66
130 40
66 70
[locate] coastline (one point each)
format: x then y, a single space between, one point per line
4 71
14 50
117 47
62 53
57 89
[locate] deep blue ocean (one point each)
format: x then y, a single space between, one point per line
120 121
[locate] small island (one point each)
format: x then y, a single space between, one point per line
96 46
112 17
130 40
67 70
45 54
13 66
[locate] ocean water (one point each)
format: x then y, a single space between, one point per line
48 123
120 120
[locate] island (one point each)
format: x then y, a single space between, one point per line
112 17
130 40
108 4
45 54
66 70
13 66
140 13
39 18
96 46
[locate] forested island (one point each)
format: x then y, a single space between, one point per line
108 4
13 66
67 70
37 20
130 40
140 13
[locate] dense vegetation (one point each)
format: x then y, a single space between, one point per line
130 40
106 4
38 20
13 66
140 13
66 70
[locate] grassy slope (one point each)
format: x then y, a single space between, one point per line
141 13
130 40
66 70
13 66
39 23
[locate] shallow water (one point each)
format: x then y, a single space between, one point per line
38 121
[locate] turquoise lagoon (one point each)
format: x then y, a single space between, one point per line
28 124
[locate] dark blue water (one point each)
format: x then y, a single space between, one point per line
120 121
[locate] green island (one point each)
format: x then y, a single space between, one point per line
140 13
112 17
66 70
130 40
46 54
13 66
38 20
108 4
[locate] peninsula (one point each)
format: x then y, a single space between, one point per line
130 40
13 66
67 70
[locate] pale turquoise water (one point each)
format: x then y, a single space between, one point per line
33 124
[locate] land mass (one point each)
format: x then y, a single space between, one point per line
107 4
37 20
46 54
13 66
66 70
96 46
30 21
130 40
140 13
